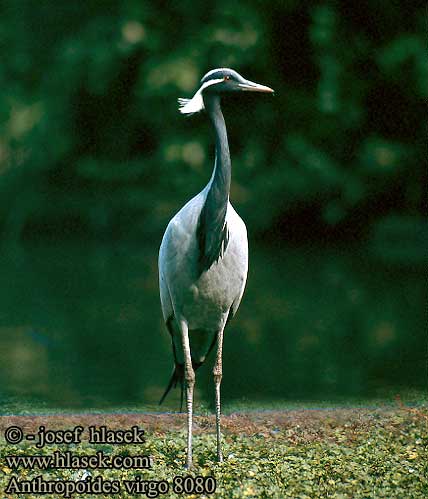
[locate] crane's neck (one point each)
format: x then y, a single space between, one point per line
212 231
221 176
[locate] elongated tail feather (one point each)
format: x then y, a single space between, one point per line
176 377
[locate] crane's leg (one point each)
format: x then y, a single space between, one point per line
189 377
218 372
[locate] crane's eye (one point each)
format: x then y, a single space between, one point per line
226 78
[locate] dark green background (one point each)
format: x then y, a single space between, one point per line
329 175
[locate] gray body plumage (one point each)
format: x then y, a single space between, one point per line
205 300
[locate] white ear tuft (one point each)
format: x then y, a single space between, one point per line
196 103
193 105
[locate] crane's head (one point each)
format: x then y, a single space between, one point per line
218 82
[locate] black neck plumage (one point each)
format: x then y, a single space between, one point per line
212 232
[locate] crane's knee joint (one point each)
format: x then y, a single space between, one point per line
190 377
217 376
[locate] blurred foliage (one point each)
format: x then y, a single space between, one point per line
81 326
91 140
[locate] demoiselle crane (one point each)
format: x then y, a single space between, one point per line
203 257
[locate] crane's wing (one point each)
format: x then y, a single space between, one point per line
236 223
166 304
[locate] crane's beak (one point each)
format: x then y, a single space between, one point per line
250 86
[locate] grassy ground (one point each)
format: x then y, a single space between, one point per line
336 453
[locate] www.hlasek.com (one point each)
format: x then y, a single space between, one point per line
68 460
86 483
